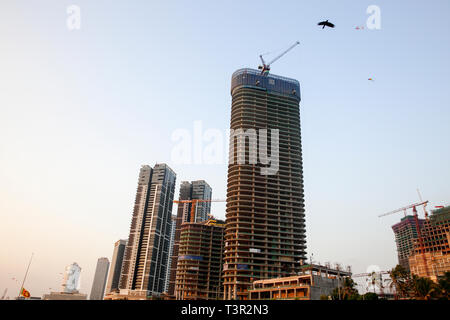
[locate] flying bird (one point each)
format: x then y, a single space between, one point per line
325 24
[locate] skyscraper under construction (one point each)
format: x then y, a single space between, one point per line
199 190
146 254
265 226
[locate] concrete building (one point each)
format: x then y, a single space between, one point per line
200 261
434 260
200 190
171 244
312 282
125 294
405 232
265 226
116 266
146 254
65 296
99 283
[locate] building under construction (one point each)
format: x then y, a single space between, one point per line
265 225
200 260
405 232
434 259
312 282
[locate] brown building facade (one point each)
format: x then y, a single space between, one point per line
434 260
200 261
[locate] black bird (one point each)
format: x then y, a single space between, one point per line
325 24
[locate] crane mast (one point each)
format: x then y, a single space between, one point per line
265 68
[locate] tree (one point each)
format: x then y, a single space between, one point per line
400 281
347 291
369 296
424 288
444 286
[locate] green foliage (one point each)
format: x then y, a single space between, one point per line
419 288
369 296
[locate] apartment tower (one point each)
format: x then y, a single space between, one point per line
200 261
265 226
146 254
99 284
199 189
116 266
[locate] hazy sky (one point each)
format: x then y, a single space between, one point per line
81 110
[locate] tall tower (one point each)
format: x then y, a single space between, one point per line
265 226
99 284
116 266
199 189
146 254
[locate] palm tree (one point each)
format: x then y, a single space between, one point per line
400 281
424 288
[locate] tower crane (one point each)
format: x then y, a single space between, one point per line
416 220
265 68
194 205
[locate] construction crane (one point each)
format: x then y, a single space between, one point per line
416 220
265 68
194 205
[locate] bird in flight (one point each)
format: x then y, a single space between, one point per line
325 24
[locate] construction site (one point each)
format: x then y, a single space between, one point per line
423 244
200 260
312 282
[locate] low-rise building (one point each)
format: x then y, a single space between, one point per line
75 295
310 284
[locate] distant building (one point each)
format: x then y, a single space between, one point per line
147 252
116 266
200 261
71 278
201 190
405 232
434 260
99 284
312 282
172 241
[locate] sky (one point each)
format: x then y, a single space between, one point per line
81 110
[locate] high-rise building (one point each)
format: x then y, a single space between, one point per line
116 266
199 189
99 283
405 232
200 261
146 254
431 258
172 241
265 226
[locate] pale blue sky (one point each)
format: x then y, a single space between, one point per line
80 111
